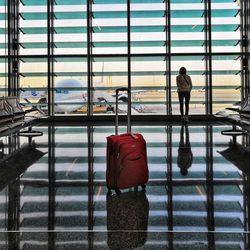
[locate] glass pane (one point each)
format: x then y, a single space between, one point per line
3 49
109 73
33 83
33 27
187 26
195 66
109 24
70 80
226 79
226 28
3 77
148 27
70 27
3 28
148 85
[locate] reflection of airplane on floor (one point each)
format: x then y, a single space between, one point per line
71 95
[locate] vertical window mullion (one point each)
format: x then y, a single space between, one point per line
245 10
208 58
89 59
209 186
168 57
50 36
247 13
129 52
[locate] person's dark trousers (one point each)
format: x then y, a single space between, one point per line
184 95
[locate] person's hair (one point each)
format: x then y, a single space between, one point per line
182 71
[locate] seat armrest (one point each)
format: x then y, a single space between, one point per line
234 109
245 112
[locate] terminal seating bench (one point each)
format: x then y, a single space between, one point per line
244 112
12 115
241 119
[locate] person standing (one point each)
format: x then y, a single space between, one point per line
184 87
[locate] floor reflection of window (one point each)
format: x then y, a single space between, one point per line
65 189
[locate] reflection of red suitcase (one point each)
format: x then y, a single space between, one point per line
127 220
126 157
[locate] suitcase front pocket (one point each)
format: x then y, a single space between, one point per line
133 171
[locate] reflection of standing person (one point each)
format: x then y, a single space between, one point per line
184 87
185 155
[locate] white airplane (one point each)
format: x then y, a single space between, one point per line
71 95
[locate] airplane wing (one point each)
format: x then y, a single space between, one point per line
37 99
38 106
108 99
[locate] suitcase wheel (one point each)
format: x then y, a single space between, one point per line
118 191
143 187
109 192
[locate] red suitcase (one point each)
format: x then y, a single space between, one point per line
126 156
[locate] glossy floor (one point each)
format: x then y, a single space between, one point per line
53 193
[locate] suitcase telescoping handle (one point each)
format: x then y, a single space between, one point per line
128 109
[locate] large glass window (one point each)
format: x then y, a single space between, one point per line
128 44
